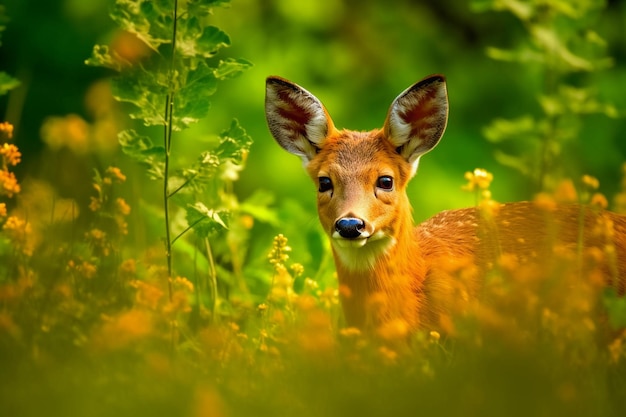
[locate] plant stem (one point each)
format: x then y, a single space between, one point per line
167 138
212 276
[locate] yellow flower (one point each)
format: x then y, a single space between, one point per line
6 130
19 231
115 174
128 267
11 154
8 184
94 204
97 234
591 182
599 200
16 225
88 270
122 207
147 294
3 210
480 179
297 269
565 192
183 283
70 131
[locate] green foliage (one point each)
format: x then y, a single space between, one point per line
7 82
187 72
169 83
559 40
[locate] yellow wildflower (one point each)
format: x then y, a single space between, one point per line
128 267
95 204
88 270
565 192
115 174
8 184
278 254
3 210
11 154
70 131
19 231
147 294
394 330
125 330
183 283
16 226
97 234
599 200
6 130
480 179
591 182
297 269
122 206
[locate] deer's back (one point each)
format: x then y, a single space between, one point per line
461 246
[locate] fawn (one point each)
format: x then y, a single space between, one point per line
388 269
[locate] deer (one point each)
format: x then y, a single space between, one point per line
388 268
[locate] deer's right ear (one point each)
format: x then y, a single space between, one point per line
296 118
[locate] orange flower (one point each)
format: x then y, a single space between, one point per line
6 130
11 154
122 207
8 184
114 174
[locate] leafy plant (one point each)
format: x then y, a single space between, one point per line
560 42
6 81
166 69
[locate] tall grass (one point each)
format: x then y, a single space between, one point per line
94 324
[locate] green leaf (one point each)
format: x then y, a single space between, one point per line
500 130
101 57
151 21
204 220
548 41
7 83
142 150
147 90
195 41
205 7
192 101
231 68
235 143
211 40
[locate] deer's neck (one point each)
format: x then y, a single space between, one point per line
386 287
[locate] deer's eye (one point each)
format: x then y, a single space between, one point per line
385 183
325 184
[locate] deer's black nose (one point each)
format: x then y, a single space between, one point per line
349 227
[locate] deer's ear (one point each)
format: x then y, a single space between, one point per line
296 118
417 118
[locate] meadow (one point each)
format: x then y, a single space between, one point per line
160 255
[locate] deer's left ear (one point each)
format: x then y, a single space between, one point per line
417 118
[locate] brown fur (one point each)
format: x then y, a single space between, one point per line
391 272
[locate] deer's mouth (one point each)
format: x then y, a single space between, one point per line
363 239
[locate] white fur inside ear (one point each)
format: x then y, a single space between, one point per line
296 118
418 118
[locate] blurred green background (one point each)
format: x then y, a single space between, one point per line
356 56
